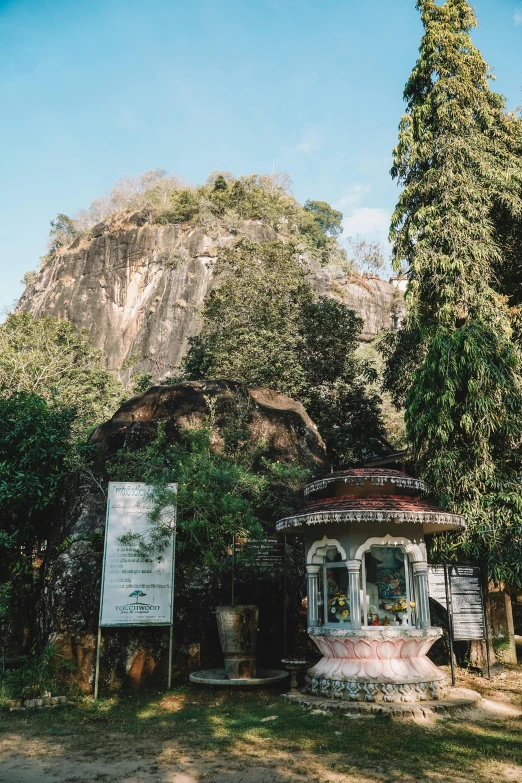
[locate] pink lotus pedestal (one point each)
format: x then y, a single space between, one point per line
386 664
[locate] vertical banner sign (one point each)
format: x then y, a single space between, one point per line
135 591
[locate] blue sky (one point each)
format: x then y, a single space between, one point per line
92 90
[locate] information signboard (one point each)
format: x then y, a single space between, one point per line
135 591
460 586
466 602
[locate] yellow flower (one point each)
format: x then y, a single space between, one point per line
341 603
345 613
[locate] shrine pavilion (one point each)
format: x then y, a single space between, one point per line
367 588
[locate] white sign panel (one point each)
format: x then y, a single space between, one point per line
135 591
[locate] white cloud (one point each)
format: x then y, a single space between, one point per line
368 222
352 197
309 143
517 16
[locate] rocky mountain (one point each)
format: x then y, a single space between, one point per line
138 287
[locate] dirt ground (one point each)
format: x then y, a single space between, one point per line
216 737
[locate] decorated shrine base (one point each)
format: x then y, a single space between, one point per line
386 665
360 690
457 700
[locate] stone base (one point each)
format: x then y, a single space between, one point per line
240 667
368 691
457 700
220 678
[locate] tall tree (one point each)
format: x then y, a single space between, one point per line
455 363
264 326
36 452
53 359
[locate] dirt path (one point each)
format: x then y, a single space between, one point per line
190 736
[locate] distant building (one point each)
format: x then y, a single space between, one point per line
400 282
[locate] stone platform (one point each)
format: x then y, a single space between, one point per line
220 678
457 700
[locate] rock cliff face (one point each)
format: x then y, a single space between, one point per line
138 288
71 572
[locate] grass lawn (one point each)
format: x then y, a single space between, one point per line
191 735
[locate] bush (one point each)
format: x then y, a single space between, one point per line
39 673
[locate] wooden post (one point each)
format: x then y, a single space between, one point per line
233 568
97 670
486 629
450 621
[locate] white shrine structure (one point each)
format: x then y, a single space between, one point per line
367 587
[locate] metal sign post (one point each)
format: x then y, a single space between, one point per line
450 621
97 671
285 600
135 591
486 634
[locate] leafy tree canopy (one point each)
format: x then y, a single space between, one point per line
328 219
455 363
35 443
167 199
53 387
63 231
237 491
50 358
263 326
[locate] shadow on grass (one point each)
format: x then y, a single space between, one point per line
238 726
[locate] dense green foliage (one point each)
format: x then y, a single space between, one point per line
264 198
51 358
263 326
34 445
35 455
236 491
54 387
455 364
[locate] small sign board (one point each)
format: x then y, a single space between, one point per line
266 553
437 585
135 591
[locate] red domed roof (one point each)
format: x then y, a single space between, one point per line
380 508
368 472
372 476
369 495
